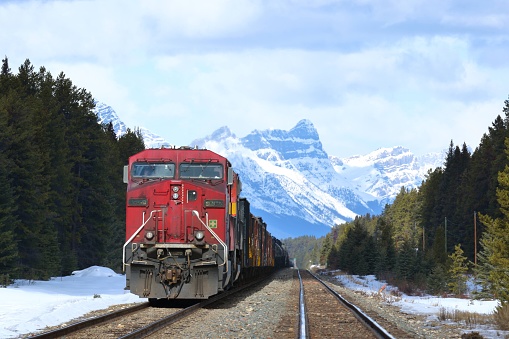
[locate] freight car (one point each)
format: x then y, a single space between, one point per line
189 235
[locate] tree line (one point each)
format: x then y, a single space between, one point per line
62 198
457 221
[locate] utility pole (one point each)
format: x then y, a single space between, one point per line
475 240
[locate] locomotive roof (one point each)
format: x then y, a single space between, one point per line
177 154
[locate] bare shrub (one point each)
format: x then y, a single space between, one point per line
5 280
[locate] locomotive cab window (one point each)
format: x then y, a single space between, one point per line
145 170
200 171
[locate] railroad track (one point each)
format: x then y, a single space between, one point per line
95 321
232 315
326 314
119 324
148 320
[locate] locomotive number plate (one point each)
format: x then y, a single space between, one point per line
214 203
138 202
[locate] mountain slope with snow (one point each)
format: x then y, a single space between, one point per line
383 172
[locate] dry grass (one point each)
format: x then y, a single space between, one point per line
500 317
470 319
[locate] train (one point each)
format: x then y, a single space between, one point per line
189 233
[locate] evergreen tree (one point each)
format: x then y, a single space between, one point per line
494 162
438 250
462 229
96 197
483 271
495 241
430 211
29 165
405 262
51 140
116 200
354 255
345 253
457 271
129 144
9 254
326 248
403 215
495 258
5 67
455 166
315 254
371 255
333 258
387 252
437 280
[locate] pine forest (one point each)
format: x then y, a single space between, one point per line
430 239
62 197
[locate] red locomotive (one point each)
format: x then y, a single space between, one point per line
188 233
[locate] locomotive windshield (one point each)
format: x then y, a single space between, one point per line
200 171
145 170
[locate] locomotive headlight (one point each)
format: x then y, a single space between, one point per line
175 196
175 189
149 235
199 235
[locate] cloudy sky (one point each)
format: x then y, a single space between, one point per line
367 73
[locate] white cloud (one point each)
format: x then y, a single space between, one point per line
198 19
367 73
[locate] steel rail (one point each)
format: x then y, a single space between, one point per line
303 329
90 322
376 328
151 328
168 320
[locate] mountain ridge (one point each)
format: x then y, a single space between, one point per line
294 185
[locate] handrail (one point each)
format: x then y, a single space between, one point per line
124 264
225 247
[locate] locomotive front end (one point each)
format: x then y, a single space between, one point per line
178 211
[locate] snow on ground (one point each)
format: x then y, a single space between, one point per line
428 305
28 306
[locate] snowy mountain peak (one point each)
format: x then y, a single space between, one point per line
383 172
222 133
107 114
301 141
304 129
152 140
378 155
390 151
295 186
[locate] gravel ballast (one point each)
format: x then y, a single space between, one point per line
270 310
